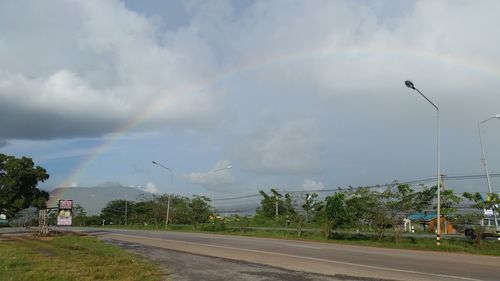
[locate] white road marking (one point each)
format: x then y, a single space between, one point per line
304 257
302 246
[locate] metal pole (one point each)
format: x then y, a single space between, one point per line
126 206
409 84
213 200
169 194
438 237
213 187
485 164
276 203
168 201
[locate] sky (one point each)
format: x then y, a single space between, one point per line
291 94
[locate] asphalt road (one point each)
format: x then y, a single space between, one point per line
321 258
182 266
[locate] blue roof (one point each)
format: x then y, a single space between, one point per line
422 216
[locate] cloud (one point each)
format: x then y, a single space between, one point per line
86 59
151 187
293 148
110 184
80 75
331 73
311 185
219 175
3 143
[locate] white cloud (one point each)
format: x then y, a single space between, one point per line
219 175
151 187
310 185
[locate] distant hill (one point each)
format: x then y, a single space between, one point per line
93 199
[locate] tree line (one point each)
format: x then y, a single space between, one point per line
380 209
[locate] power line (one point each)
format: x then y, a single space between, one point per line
421 181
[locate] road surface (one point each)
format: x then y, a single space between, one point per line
321 258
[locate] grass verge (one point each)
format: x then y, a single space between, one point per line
71 258
487 247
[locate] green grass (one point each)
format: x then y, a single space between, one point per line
490 247
72 258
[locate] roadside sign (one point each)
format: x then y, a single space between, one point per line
65 204
65 213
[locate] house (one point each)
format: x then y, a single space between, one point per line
426 221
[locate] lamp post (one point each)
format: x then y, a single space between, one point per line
126 206
213 198
485 164
410 85
169 194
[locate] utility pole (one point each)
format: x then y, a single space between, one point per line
276 204
485 164
169 194
443 199
410 85
126 205
307 206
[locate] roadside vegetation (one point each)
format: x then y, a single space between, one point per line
71 258
360 216
375 216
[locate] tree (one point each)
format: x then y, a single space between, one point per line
491 202
179 210
424 198
334 213
18 184
399 200
79 215
268 204
143 213
199 210
309 205
159 208
114 212
449 202
368 206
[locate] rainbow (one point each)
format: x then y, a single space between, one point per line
252 65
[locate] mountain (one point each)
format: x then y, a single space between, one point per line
93 199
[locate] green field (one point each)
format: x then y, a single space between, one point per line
71 258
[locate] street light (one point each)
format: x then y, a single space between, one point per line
410 85
213 196
486 164
169 194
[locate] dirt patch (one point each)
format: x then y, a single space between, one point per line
37 236
53 234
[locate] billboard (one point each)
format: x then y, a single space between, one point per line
65 213
65 204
